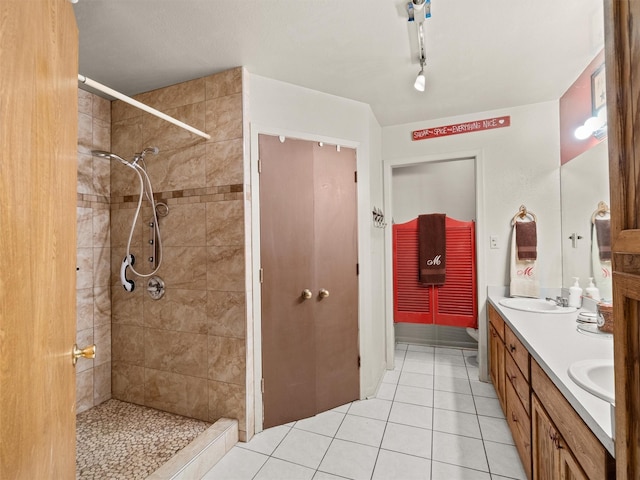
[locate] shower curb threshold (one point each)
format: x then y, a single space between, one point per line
197 458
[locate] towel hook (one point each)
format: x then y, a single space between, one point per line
522 214
601 211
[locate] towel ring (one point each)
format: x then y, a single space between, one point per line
601 211
522 214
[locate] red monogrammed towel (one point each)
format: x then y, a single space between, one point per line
432 248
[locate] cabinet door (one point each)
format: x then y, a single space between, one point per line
569 468
545 442
496 360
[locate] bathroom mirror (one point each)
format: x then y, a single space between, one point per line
584 181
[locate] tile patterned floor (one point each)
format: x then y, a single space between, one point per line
119 440
431 420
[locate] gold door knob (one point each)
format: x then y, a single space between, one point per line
324 293
306 294
86 352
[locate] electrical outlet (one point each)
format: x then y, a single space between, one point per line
493 241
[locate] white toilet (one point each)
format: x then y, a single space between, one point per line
473 333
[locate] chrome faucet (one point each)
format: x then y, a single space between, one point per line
559 301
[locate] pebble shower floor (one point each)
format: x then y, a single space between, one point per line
118 440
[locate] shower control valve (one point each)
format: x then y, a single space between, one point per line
155 287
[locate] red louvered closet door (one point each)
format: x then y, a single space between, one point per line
452 304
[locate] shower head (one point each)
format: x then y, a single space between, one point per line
109 156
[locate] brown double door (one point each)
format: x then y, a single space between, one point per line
308 225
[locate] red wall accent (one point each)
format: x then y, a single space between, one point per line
575 108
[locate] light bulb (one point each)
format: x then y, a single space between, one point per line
593 123
420 82
583 132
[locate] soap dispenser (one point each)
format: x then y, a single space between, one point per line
575 294
592 291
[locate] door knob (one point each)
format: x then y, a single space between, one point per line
324 293
86 352
306 294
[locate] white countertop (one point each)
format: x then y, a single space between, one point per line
555 343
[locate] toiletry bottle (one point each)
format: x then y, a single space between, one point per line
575 294
592 291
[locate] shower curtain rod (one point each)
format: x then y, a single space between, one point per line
109 91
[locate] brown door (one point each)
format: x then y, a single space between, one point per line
622 56
38 142
308 242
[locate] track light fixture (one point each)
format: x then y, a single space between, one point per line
420 82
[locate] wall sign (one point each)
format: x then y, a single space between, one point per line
458 128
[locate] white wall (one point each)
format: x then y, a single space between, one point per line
519 164
434 187
276 107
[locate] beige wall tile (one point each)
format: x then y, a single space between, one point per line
178 169
127 344
85 131
181 394
225 163
173 96
101 383
184 226
227 359
121 220
84 221
126 307
225 268
226 312
85 102
84 390
85 173
101 230
101 135
185 267
102 176
84 308
177 352
123 111
224 117
167 136
178 310
101 305
102 340
224 83
227 401
127 382
84 274
126 138
101 108
225 223
101 267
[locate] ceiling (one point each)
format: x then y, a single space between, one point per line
481 55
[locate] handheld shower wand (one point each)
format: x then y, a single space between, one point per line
146 190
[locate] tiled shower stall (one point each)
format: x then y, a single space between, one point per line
186 353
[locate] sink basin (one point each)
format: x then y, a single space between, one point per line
537 305
595 376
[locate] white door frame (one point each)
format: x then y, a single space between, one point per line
256 301
388 166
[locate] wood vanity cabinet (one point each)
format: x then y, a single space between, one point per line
552 458
496 353
552 440
561 438
509 367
